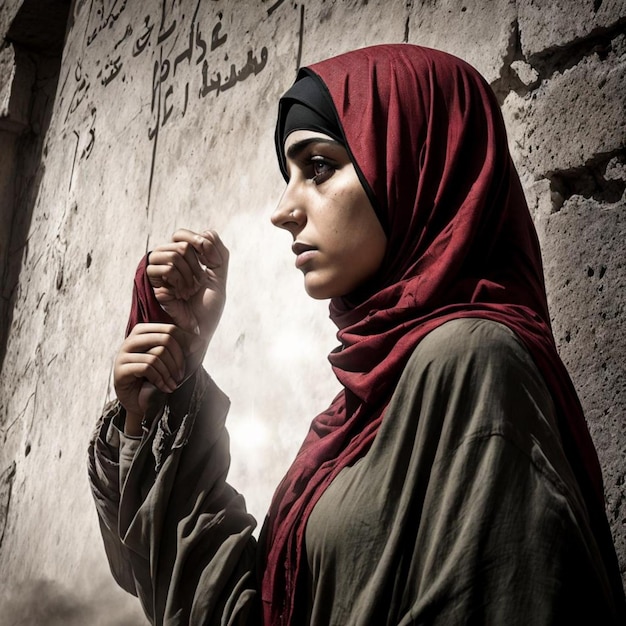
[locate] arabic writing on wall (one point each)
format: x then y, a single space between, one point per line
201 45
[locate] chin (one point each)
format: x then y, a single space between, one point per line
321 290
353 290
317 294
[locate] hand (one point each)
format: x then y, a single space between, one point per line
188 276
153 358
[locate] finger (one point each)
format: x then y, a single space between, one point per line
163 340
152 327
193 251
172 359
189 248
147 335
164 367
148 367
173 266
214 253
205 247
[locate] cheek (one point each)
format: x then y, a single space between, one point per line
363 224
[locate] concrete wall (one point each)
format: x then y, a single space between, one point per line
161 115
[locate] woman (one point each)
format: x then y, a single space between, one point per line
453 480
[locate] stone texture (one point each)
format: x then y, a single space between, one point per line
525 72
482 33
39 601
6 486
571 117
7 73
549 24
8 11
585 270
360 23
15 98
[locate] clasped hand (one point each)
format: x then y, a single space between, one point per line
188 276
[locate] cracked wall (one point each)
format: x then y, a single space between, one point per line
161 115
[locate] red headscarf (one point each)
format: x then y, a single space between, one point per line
427 135
144 306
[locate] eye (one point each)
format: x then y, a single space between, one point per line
321 169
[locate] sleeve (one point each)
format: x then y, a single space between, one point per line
504 535
175 533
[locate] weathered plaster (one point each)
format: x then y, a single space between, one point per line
144 128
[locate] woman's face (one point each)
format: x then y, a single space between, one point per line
337 239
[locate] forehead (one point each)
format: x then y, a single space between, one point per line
298 136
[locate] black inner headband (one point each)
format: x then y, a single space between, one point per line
305 106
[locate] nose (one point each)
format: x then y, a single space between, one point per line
289 214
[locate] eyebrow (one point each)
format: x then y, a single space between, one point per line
296 148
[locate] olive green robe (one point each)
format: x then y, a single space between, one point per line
464 511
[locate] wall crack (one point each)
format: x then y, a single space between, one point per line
6 484
602 178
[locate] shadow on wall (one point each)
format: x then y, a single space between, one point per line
40 602
37 35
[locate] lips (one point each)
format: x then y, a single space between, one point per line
299 247
304 252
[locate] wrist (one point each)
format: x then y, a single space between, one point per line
132 424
